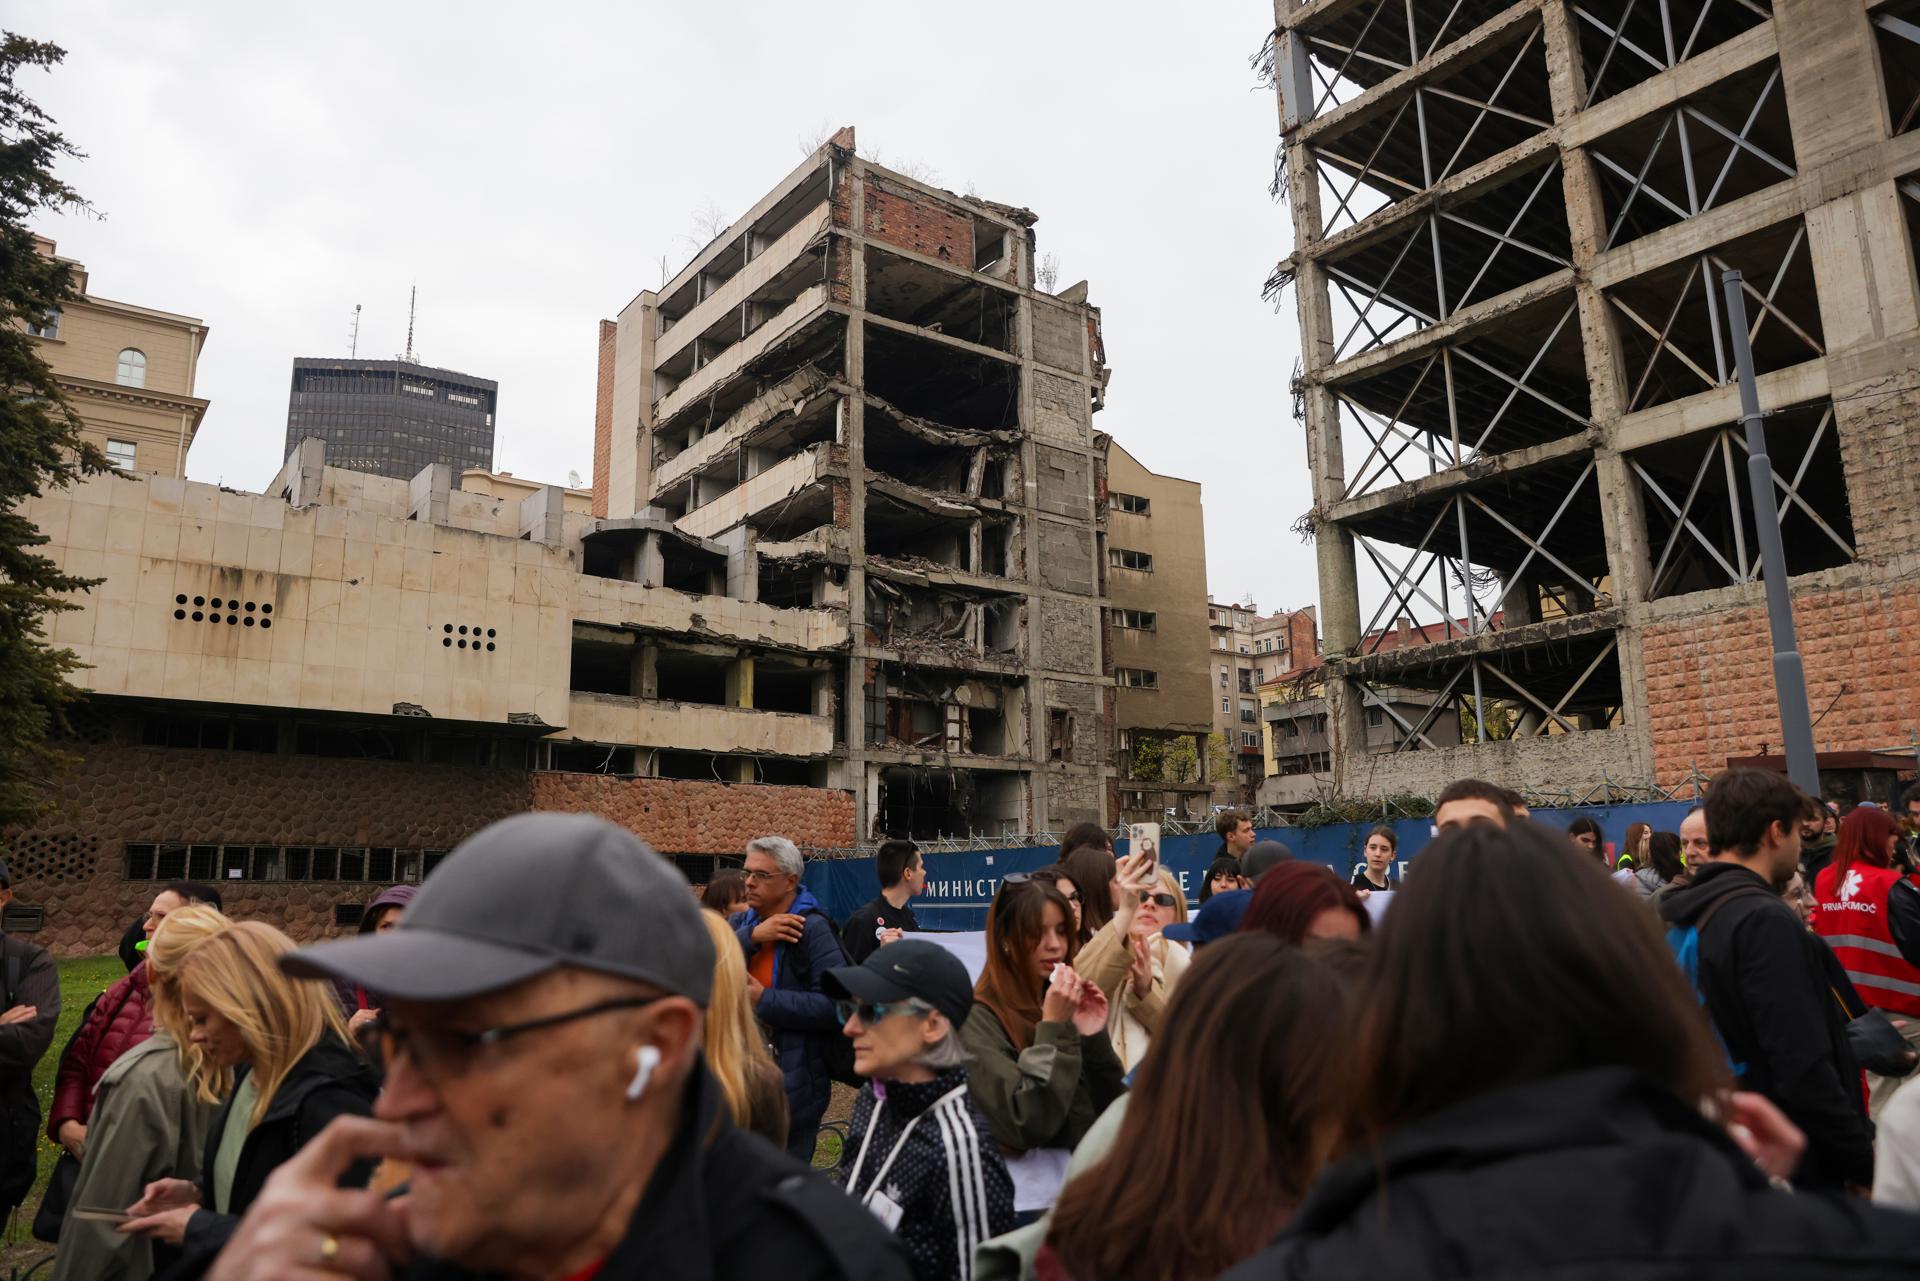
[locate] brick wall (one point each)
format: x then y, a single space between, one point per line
913 222
72 863
1710 679
603 417
682 816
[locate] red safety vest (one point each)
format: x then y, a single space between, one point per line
1851 915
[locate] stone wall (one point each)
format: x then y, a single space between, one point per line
72 863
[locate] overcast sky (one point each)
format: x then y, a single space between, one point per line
265 167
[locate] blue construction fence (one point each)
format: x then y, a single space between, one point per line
960 886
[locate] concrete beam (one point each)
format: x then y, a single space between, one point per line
779 482
934 335
764 266
1461 326
796 316
1472 473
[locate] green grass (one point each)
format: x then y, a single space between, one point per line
81 979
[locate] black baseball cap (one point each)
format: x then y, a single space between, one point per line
1262 858
907 968
524 896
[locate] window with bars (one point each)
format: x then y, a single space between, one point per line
375 864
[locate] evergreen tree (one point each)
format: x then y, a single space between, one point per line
40 445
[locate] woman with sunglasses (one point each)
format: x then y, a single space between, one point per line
919 1154
277 1052
1041 1067
1158 965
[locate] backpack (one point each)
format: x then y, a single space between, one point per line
837 1050
1684 942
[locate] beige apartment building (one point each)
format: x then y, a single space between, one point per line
1157 589
1235 694
128 372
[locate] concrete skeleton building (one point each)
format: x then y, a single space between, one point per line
857 396
1156 575
1511 222
128 373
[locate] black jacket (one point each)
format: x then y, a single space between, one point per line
27 977
1595 1176
329 1080
948 1178
857 935
735 1208
1766 987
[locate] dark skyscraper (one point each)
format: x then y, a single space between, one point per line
392 417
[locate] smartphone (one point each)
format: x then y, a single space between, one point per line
94 1215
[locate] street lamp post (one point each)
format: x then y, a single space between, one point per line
1789 676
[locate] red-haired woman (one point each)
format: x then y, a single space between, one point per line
1870 915
1299 901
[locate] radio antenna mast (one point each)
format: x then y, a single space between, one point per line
353 337
413 296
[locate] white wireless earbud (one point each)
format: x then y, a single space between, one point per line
649 1059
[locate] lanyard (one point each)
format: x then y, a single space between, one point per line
853 1180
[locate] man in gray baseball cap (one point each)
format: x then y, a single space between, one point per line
544 1082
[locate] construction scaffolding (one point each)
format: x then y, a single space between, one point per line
1511 218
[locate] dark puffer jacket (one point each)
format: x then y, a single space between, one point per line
329 1080
120 1019
1593 1176
794 1009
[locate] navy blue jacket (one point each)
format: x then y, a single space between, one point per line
793 1008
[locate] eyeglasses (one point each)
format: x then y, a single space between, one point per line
870 1013
441 1054
1158 900
756 874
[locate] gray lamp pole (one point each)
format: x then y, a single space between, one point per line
1789 677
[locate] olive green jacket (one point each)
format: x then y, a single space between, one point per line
1045 1096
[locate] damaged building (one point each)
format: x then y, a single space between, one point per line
1512 220
854 400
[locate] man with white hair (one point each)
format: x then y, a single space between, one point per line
790 945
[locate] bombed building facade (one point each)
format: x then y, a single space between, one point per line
857 396
1511 224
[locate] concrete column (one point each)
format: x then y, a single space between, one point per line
543 515
823 697
307 475
649 565
646 671
429 493
738 769
740 683
743 563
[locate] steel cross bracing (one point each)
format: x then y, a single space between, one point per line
1451 697
1331 60
1427 228
1705 271
1903 116
1442 453
1682 124
1728 447
1678 39
1409 580
1433 167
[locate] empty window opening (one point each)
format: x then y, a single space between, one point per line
903 532
1132 504
1897 32
789 584
1125 558
929 804
1003 625
685 677
905 456
949 304
940 383
780 688
690 569
603 661
1624 42
1059 734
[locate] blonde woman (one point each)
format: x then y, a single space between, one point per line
148 1121
1157 966
276 1048
756 1093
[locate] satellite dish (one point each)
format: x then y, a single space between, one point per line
573 480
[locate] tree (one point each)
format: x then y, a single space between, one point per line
40 444
1183 761
1219 759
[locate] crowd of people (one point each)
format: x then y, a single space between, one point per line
1546 1053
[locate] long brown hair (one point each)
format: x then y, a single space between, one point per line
1091 871
733 1042
1863 839
1008 984
1230 1118
1507 961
